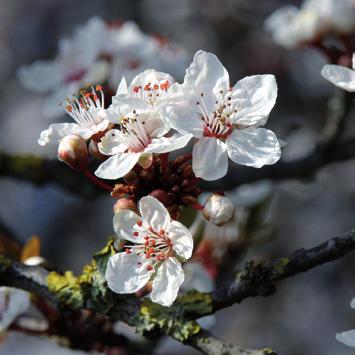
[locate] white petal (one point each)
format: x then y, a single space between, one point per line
347 338
154 213
253 147
352 304
57 131
181 238
183 118
166 284
122 87
209 159
110 143
154 124
97 73
341 77
254 97
150 76
125 224
123 105
168 144
13 303
206 71
117 166
127 273
48 72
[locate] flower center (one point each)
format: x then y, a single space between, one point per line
157 245
133 133
151 92
217 123
84 109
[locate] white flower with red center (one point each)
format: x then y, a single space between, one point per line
77 65
148 90
340 76
139 136
13 303
154 245
225 120
88 113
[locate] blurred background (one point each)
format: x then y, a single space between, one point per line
307 310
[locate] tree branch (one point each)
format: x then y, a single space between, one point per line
261 279
209 344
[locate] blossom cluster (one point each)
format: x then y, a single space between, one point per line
100 53
292 27
151 116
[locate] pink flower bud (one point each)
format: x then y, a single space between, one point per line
125 204
218 209
73 152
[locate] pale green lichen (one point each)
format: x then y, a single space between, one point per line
66 288
153 317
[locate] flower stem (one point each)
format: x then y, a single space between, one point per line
97 181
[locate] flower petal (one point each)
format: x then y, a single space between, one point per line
154 213
206 71
183 118
254 97
253 147
57 131
117 166
168 144
341 77
181 238
110 143
166 283
347 338
13 303
209 159
123 105
125 224
122 87
127 273
150 76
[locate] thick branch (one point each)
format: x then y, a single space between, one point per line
40 171
261 279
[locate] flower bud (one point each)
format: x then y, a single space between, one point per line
125 204
162 196
218 209
94 151
73 152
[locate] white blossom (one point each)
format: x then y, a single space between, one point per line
291 26
138 137
89 115
77 65
340 76
224 120
148 90
13 303
154 245
348 337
